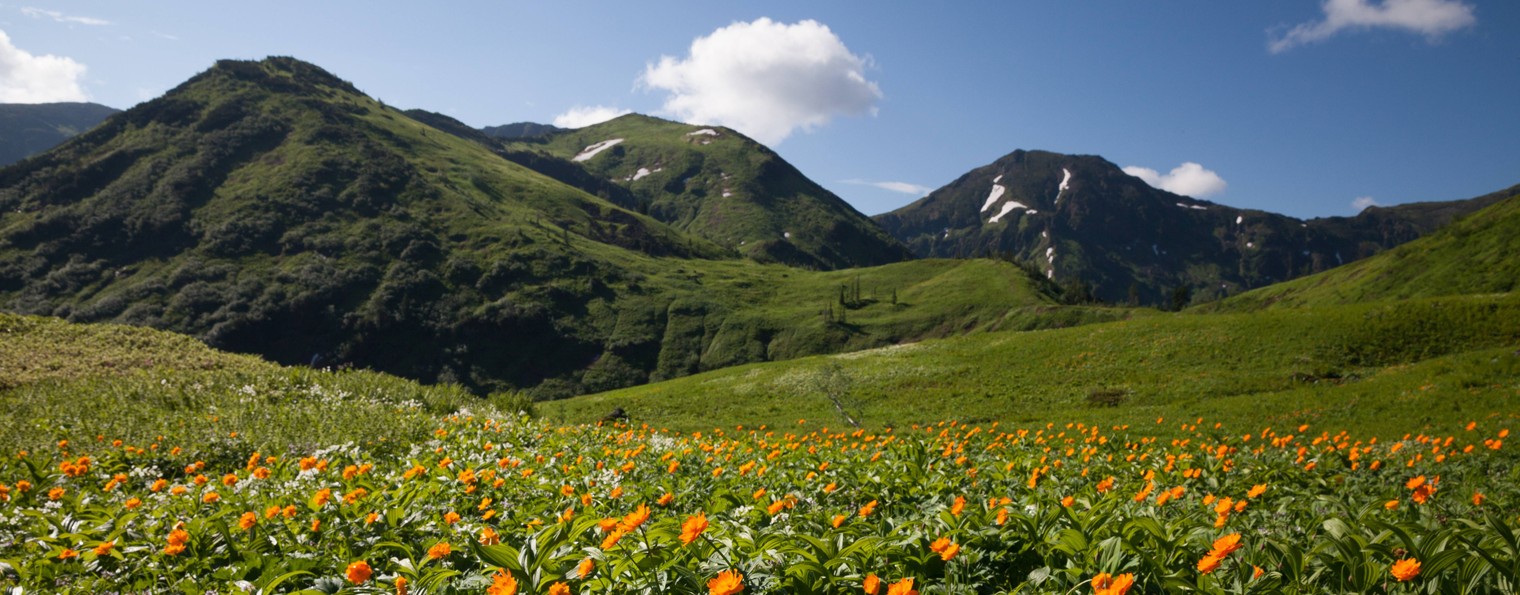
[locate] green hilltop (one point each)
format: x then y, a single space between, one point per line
270 208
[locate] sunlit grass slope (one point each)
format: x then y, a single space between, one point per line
1366 367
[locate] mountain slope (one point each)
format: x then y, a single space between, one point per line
720 185
1085 222
1478 254
269 207
27 129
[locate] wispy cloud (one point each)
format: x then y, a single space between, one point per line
1431 18
163 35
41 13
28 78
1188 179
1362 202
765 79
903 187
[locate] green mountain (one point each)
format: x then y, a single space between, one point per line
521 130
270 208
28 129
1478 254
1089 226
718 184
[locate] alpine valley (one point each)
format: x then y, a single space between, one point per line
270 208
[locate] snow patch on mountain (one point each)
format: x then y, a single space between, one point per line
591 151
1007 207
997 192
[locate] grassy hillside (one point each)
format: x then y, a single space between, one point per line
1367 367
1476 254
64 381
722 186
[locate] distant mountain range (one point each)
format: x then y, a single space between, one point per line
1087 225
28 129
269 207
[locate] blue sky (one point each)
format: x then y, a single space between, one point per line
1294 106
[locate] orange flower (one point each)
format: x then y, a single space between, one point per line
869 508
634 519
450 517
1391 504
1209 563
400 585
666 499
104 548
1256 572
1405 569
56 493
958 506
439 550
247 521
489 536
1103 584
584 569
1105 485
1478 498
950 551
133 503
559 588
1257 490
358 572
838 520
1066 502
693 527
211 498
902 587
727 582
871 584
67 554
1225 545
612 539
502 584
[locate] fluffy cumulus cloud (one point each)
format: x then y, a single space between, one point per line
26 78
1431 18
1362 202
1188 179
765 79
903 187
582 116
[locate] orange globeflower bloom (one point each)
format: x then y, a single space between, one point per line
559 588
104 548
612 539
634 519
838 520
56 493
247 521
133 503
358 572
958 506
1105 485
1256 572
1224 546
869 508
1209 563
871 584
693 527
727 582
67 554
450 517
1103 584
502 584
666 499
1391 504
439 550
1257 490
1478 498
1405 569
584 569
902 587
489 536
950 551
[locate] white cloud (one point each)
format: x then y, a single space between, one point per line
1431 18
765 79
1188 179
25 78
582 116
1362 202
38 13
903 187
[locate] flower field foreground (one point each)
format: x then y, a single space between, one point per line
520 506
